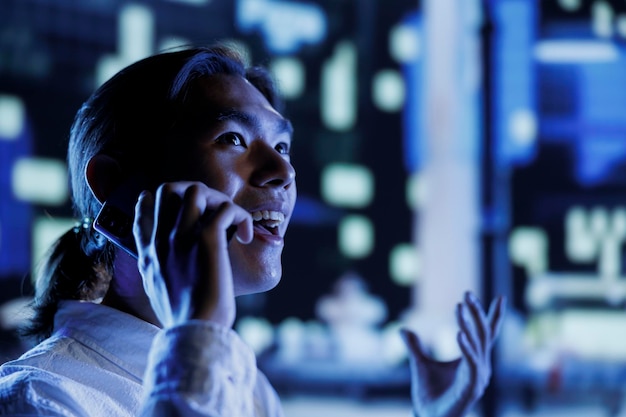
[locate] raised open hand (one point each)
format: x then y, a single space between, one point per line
451 389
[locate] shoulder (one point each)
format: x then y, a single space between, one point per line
41 357
35 383
31 390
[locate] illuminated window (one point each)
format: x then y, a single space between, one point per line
570 5
356 236
582 230
528 248
575 51
134 42
11 117
39 180
405 43
107 66
602 16
388 91
596 235
338 95
256 332
136 32
404 264
347 185
289 335
523 127
593 334
290 75
621 25
415 191
285 26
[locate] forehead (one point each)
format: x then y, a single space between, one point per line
233 98
221 91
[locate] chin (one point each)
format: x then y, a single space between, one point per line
256 268
255 283
256 287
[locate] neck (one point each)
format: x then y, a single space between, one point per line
126 291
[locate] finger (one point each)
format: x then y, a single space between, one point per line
217 294
479 320
226 217
413 344
187 226
470 356
193 205
208 200
469 328
496 316
143 225
245 228
180 187
168 204
143 231
465 326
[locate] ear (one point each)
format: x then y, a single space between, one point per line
103 175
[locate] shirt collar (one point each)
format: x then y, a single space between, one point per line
120 337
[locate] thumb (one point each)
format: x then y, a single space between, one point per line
413 344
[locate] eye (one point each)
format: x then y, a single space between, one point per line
230 138
283 148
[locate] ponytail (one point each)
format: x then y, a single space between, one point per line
76 267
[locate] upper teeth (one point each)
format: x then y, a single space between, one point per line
276 217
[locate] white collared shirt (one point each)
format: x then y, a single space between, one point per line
101 362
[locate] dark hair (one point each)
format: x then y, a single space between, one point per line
129 118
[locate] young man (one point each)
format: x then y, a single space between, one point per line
152 336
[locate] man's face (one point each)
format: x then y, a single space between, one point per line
243 151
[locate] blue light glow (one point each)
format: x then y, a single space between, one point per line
285 26
515 82
15 215
411 119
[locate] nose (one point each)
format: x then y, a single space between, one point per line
272 169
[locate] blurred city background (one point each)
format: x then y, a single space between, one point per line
441 146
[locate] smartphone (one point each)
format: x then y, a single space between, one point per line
115 218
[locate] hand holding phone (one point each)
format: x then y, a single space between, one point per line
115 219
188 270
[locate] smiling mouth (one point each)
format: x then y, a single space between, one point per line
268 220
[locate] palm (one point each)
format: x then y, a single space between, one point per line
451 389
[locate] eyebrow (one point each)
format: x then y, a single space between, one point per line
252 121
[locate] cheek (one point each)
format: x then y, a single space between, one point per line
228 183
220 174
